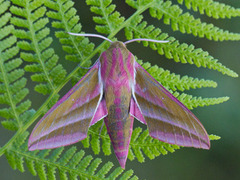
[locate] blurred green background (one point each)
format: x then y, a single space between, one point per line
222 161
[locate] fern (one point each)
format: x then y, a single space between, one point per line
211 8
44 60
12 83
65 20
185 23
141 144
108 17
192 102
26 34
72 163
173 81
174 50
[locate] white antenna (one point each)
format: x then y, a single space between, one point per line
90 35
102 37
127 42
142 39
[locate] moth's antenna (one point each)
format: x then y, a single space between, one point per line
142 39
90 35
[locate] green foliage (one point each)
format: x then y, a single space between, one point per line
26 34
214 137
183 22
64 19
70 163
211 8
107 16
141 143
193 102
173 81
174 50
36 44
15 109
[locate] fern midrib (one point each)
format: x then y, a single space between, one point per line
105 16
57 89
36 47
52 164
169 46
127 22
176 19
6 83
211 4
68 30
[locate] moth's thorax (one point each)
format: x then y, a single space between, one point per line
117 74
117 63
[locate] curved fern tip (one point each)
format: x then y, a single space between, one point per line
214 137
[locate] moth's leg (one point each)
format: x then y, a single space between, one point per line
101 128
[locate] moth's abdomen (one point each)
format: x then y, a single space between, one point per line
120 131
119 123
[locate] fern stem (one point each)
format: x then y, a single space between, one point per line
5 80
125 23
69 30
36 47
105 16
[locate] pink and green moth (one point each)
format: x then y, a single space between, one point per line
117 89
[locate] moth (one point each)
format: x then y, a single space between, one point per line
117 89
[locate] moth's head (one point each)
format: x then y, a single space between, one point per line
118 44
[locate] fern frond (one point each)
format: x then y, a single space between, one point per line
69 163
184 22
212 9
192 102
174 50
97 135
65 20
33 30
141 143
108 17
173 81
12 83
